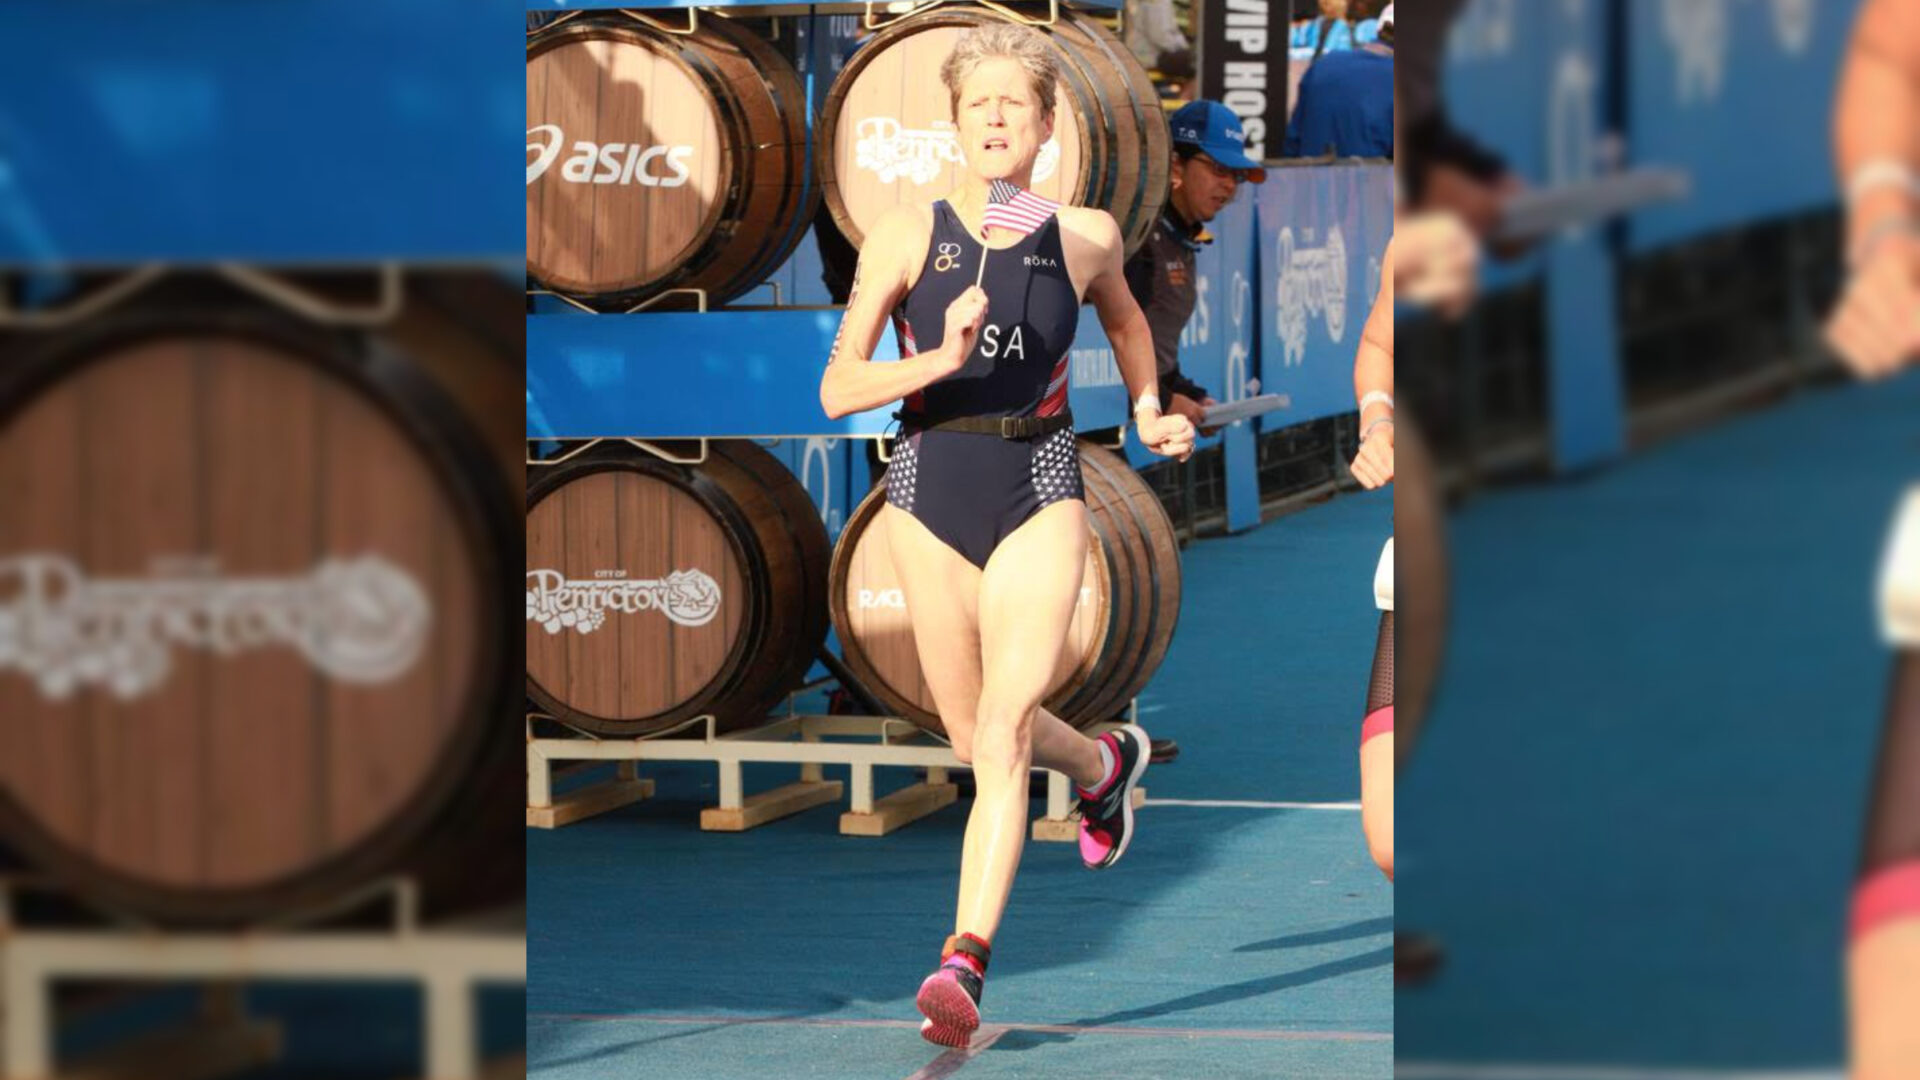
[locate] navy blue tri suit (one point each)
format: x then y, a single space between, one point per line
971 489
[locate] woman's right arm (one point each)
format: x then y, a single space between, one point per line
853 382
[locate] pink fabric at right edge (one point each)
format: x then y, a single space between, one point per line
1886 896
1379 722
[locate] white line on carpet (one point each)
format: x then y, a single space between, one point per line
1439 1070
1249 804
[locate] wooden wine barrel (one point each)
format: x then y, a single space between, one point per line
251 616
659 592
1130 598
886 131
1127 511
1419 584
660 160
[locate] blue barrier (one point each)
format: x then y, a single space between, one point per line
1739 93
1322 233
756 373
746 374
1734 92
297 132
1585 397
1495 84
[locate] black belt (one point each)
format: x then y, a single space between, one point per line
1007 427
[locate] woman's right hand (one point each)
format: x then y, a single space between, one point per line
964 317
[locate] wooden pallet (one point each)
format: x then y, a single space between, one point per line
878 742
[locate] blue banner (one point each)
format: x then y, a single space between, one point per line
1322 233
295 132
741 374
1740 94
1495 85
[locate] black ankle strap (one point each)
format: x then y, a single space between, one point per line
970 945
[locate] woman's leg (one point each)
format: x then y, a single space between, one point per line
943 601
1027 597
942 591
1884 960
1376 753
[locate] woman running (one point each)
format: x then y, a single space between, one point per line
985 512
1876 331
1373 467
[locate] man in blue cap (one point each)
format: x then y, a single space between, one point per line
1209 164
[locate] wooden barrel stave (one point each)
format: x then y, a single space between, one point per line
876 640
1111 524
1161 557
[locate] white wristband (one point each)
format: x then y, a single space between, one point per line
1885 172
1372 396
1148 401
1877 234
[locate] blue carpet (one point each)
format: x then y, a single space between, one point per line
1230 943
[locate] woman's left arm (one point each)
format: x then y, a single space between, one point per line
1126 327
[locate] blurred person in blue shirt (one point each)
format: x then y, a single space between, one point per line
1328 32
1366 22
1345 107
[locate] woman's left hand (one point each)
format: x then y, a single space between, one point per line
1373 467
1168 435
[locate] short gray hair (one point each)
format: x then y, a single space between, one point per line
1003 40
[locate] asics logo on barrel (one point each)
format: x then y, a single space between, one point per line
606 163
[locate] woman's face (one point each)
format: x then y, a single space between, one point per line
998 117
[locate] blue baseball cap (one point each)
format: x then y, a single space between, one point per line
1215 129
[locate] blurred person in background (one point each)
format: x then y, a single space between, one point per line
1327 31
1433 260
1210 163
1442 168
1373 467
1876 330
1304 12
1876 327
1156 39
1345 102
1366 16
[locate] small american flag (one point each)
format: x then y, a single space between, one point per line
1009 207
